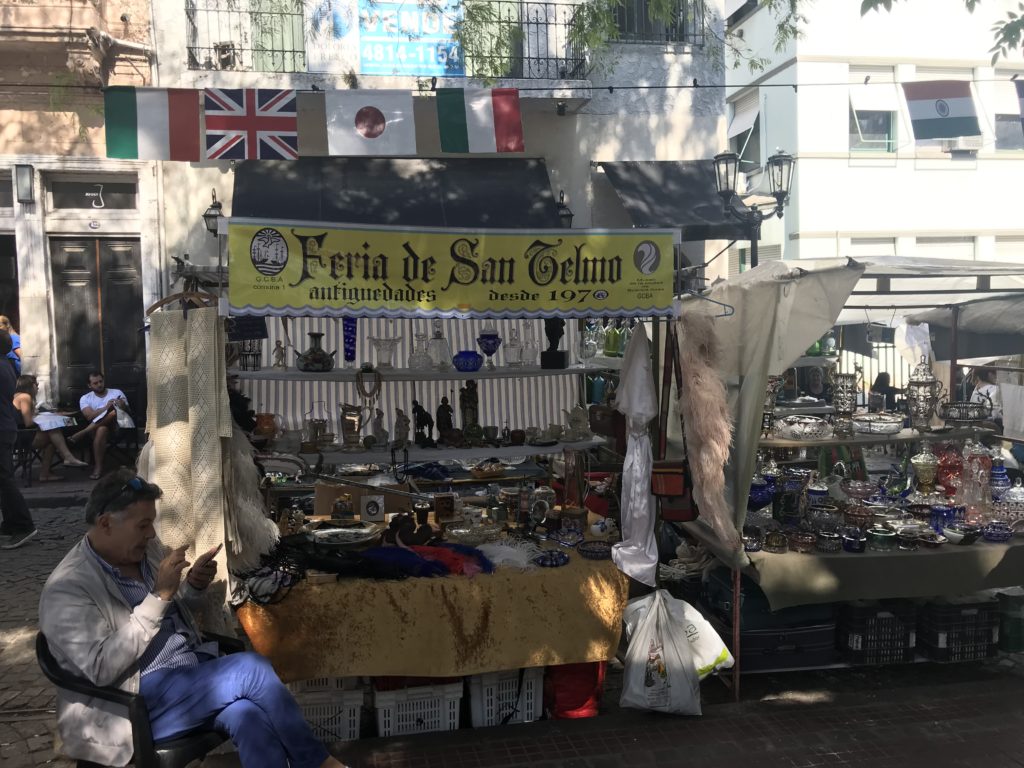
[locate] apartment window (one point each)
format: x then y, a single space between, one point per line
255 35
862 247
633 19
1010 248
1009 130
923 74
6 192
959 248
745 132
874 109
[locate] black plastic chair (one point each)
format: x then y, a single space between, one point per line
172 753
25 454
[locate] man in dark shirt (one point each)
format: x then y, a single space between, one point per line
17 526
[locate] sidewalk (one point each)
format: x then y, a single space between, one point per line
897 717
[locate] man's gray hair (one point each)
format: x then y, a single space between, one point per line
117 491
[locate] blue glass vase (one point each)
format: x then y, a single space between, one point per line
999 481
348 338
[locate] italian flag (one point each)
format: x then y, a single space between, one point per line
152 123
482 120
941 109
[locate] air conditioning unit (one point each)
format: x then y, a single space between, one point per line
962 144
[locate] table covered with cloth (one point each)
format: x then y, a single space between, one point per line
799 579
441 627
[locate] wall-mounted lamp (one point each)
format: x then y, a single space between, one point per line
565 214
212 216
24 183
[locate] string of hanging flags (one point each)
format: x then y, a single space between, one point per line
282 124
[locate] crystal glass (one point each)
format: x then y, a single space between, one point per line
926 466
439 349
420 358
348 334
384 350
489 341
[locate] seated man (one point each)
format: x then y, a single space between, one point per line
99 405
114 611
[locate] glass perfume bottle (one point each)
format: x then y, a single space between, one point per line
531 347
420 358
514 350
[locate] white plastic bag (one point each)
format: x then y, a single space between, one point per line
660 672
124 419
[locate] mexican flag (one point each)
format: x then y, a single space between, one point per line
941 109
152 123
482 120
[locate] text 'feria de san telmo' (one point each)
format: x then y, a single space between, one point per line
288 268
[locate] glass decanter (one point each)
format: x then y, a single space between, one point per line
420 358
531 347
999 481
514 350
439 349
588 343
611 340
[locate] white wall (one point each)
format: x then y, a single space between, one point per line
916 192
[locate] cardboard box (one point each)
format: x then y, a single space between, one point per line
326 493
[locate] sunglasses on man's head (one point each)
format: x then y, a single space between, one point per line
136 484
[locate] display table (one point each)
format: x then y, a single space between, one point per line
442 627
799 579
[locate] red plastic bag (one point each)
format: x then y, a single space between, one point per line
574 690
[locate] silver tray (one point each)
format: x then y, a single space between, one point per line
877 424
802 428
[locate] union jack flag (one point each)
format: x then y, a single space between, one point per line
251 124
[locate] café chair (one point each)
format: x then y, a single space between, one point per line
25 455
171 753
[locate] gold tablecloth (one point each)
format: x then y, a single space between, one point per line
443 627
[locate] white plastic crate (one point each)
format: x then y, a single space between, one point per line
318 684
493 696
333 715
418 710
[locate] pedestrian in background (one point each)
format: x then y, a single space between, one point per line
17 526
15 354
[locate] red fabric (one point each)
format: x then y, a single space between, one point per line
457 563
573 691
596 504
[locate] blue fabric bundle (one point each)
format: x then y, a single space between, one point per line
405 560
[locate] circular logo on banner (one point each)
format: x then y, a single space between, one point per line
647 256
941 108
268 251
370 122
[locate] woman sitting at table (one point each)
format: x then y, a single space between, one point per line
49 437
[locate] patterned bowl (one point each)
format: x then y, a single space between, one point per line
468 361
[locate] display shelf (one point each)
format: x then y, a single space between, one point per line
803 410
417 454
904 436
412 374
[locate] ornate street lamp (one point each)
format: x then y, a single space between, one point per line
213 214
565 214
780 178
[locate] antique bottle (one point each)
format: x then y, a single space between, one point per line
439 349
999 482
315 359
514 350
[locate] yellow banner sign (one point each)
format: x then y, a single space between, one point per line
299 268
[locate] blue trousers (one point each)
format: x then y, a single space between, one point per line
239 695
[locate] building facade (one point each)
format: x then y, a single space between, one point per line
80 235
863 185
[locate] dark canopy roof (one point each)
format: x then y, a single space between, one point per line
418 192
674 193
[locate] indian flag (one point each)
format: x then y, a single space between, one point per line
941 109
152 123
482 120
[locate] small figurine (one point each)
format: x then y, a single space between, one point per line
380 434
445 419
424 424
469 404
401 429
279 354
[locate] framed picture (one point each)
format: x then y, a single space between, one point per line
371 509
444 508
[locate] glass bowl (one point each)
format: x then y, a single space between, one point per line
829 542
881 539
776 542
858 489
961 533
802 428
854 539
997 531
877 424
803 541
467 361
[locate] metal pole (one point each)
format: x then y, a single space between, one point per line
755 235
953 352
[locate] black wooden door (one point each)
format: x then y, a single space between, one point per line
98 313
9 281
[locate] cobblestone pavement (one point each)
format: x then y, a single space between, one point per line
896 717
